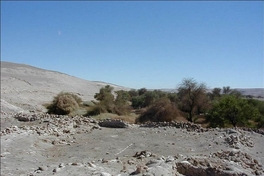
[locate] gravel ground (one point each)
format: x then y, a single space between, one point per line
63 145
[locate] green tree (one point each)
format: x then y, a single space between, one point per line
146 98
190 94
138 102
105 93
106 100
122 106
233 110
228 91
108 103
216 93
132 93
173 97
138 98
260 106
159 93
142 91
122 97
150 97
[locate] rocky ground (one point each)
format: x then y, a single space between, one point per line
42 144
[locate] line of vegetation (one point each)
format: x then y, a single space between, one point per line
218 108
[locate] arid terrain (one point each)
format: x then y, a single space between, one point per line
36 143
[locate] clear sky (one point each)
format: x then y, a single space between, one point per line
149 44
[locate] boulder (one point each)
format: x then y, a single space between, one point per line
113 123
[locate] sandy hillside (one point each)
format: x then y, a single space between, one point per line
27 87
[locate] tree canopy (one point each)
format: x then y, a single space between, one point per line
192 96
232 110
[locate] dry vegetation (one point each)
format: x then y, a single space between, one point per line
64 103
161 111
191 103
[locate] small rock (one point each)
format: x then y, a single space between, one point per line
91 165
42 168
230 131
169 159
138 171
62 165
105 174
130 162
153 162
56 169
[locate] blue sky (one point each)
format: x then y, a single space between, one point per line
139 44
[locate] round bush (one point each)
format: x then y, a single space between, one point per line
64 103
161 111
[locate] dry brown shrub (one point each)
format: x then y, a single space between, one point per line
161 111
64 103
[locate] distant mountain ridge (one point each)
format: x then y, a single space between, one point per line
255 92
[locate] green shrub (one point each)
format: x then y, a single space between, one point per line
64 103
233 110
138 102
163 110
107 103
260 106
145 98
96 110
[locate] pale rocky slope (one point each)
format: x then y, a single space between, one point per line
27 87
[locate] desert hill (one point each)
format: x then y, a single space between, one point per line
28 87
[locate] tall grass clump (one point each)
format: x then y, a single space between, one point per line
163 110
64 103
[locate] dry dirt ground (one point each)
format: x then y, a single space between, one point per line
62 145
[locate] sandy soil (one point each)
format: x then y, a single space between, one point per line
79 146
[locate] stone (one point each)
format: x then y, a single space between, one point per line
154 162
130 162
105 174
231 131
56 170
137 171
113 123
76 164
42 168
91 165
62 165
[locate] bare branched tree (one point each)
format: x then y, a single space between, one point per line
191 95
